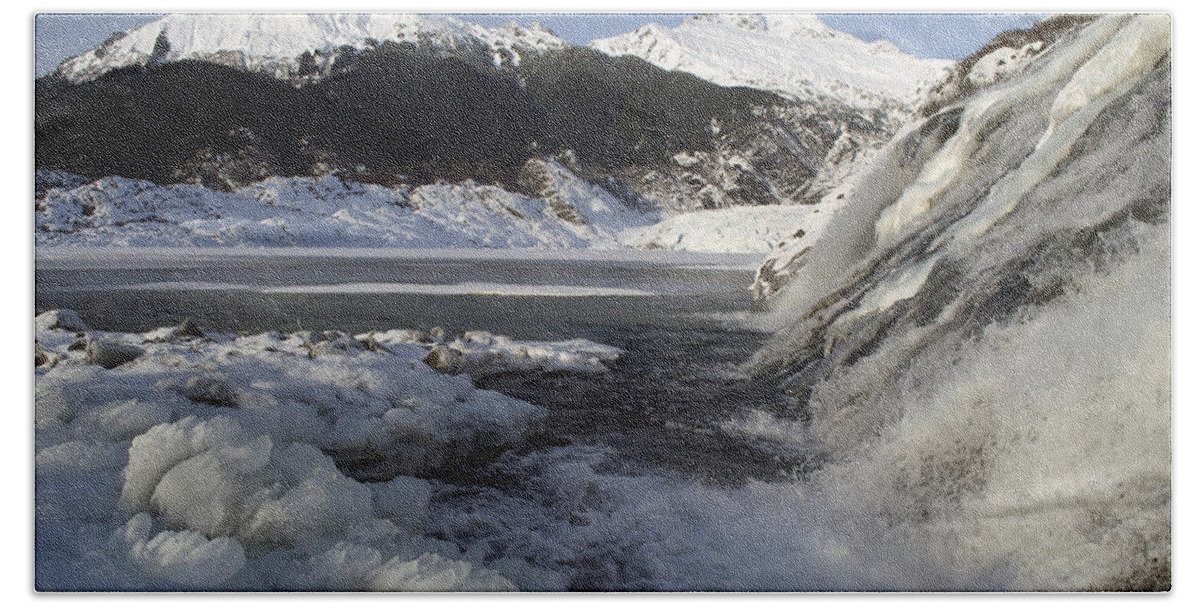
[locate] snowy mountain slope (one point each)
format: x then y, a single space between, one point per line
73 211
274 43
329 212
793 54
980 346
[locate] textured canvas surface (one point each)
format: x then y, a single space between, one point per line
661 302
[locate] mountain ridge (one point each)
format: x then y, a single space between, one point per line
281 40
803 58
401 112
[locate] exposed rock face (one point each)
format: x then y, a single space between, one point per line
1002 63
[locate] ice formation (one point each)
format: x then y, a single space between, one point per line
986 366
213 461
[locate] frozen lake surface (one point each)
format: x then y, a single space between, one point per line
532 295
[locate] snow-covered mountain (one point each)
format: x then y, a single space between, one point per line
226 100
276 43
791 54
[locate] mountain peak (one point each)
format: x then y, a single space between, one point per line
796 55
776 24
259 41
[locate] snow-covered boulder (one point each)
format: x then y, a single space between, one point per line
479 353
60 319
109 354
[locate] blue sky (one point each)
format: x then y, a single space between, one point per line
940 35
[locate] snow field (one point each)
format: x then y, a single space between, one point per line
327 212
734 230
71 211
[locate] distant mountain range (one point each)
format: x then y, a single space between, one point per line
721 111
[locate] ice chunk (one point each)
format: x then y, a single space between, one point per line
186 558
126 419
432 572
60 319
157 451
480 353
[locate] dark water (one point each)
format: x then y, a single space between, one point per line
659 407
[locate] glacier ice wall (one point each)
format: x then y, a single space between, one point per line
980 347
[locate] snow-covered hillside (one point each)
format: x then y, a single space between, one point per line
73 211
791 54
274 43
569 213
329 212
